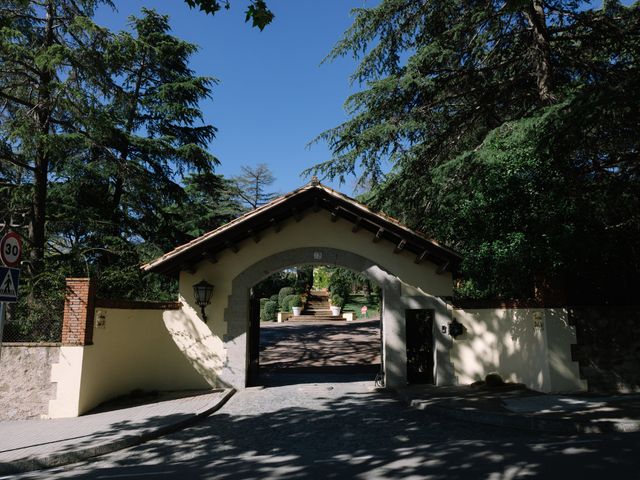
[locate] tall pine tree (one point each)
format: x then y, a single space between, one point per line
46 52
511 131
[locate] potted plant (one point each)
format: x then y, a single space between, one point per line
296 306
336 302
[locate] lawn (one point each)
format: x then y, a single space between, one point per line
355 303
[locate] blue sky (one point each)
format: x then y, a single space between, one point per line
274 97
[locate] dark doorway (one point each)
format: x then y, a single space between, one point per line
419 337
253 372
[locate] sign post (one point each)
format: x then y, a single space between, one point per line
10 253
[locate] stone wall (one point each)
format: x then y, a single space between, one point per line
25 380
608 348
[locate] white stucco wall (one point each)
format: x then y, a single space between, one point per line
530 346
314 230
564 372
135 349
318 231
67 374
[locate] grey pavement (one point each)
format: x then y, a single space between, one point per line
334 426
310 423
31 444
336 346
516 407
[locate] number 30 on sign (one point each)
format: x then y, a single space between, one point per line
11 249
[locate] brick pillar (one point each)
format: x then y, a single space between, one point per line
79 309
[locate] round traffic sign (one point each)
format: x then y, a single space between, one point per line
364 309
11 249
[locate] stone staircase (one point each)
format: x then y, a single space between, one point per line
317 309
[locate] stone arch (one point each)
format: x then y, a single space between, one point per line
236 313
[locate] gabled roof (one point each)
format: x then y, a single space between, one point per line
314 196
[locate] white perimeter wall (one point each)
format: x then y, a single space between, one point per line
133 350
530 346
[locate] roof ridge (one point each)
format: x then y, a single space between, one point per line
313 184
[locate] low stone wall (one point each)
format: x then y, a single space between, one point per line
25 379
608 349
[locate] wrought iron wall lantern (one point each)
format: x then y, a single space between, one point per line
456 328
203 291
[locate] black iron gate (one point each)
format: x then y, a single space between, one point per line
253 370
419 337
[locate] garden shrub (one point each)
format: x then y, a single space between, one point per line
270 311
263 302
493 379
341 282
287 302
284 291
337 300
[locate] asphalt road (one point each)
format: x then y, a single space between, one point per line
337 426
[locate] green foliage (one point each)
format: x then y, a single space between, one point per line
102 142
321 276
514 141
263 302
270 286
209 200
270 311
337 300
46 70
296 301
274 298
290 301
37 316
284 292
356 302
257 12
343 281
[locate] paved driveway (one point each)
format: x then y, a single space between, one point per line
319 344
330 427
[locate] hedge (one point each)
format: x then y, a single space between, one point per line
270 311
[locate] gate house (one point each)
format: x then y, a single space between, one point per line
117 347
313 225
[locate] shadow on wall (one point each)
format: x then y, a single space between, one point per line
608 346
196 341
514 343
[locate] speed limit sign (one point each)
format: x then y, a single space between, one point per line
11 249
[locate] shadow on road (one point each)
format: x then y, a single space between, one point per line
322 344
272 377
334 431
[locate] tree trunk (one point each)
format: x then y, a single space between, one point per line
37 226
542 50
118 189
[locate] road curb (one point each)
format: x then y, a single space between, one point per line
29 464
523 422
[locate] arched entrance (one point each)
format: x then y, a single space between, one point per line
300 256
394 354
318 226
